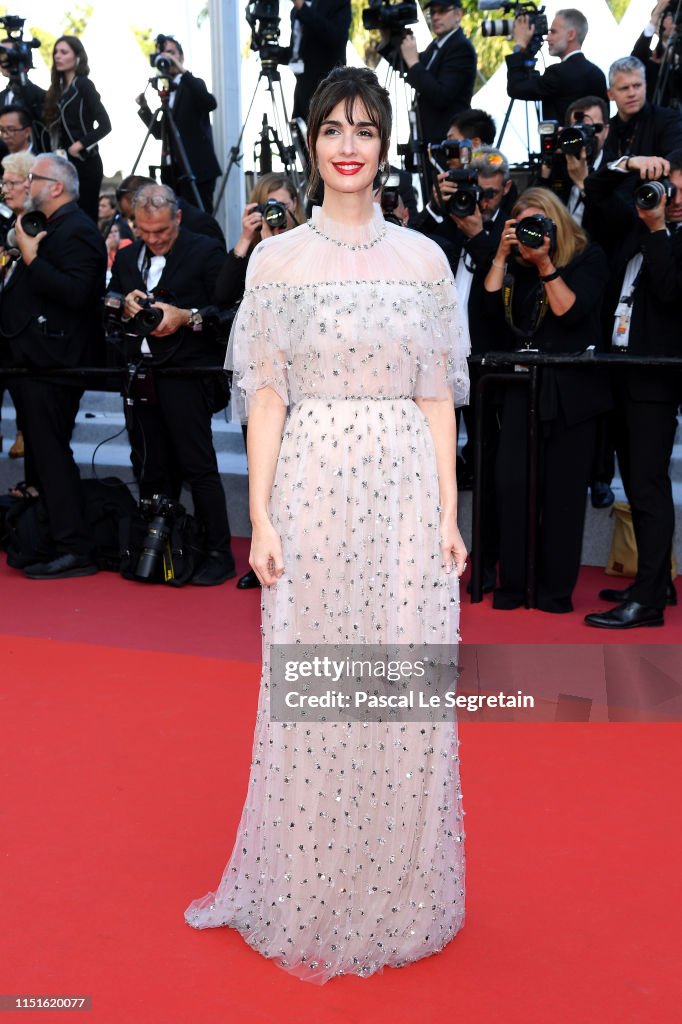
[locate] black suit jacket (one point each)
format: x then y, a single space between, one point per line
191 107
445 88
654 131
50 310
200 222
81 116
189 280
325 26
569 80
32 97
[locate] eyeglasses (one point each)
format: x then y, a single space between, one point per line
38 177
11 130
8 183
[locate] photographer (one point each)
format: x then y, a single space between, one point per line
319 35
190 104
50 318
642 312
544 291
170 428
639 128
16 129
193 218
443 75
26 94
577 154
573 77
476 125
664 58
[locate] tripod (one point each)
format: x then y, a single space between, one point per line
270 135
163 127
413 151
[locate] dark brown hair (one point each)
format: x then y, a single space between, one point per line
348 86
54 93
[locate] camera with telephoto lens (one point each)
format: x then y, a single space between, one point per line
382 14
138 326
160 512
33 222
464 201
273 213
531 231
576 137
649 194
443 153
263 19
504 27
15 53
159 60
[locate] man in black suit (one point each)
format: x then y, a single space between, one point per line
190 103
573 77
319 34
642 307
193 218
639 128
443 75
50 316
171 436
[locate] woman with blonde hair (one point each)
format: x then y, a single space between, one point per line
544 289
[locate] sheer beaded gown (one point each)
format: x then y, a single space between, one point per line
349 854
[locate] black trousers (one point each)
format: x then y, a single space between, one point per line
645 434
172 442
49 412
565 464
90 173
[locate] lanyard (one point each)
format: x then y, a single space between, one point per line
537 316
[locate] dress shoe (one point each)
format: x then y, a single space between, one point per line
619 596
62 567
601 495
249 581
17 449
626 616
216 569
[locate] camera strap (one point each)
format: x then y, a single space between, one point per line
537 316
623 312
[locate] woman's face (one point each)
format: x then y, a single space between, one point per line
14 192
348 154
64 57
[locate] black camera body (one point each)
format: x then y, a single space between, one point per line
504 27
649 194
382 14
33 222
15 54
531 231
576 137
273 213
139 326
464 201
263 19
441 153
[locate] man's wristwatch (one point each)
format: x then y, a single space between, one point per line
195 320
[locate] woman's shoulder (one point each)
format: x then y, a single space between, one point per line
430 262
271 257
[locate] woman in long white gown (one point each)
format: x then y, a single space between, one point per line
348 350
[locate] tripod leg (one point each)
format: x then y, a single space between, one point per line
150 131
180 153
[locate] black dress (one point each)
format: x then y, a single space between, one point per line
81 117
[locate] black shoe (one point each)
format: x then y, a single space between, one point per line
626 616
217 567
249 581
619 596
601 495
63 567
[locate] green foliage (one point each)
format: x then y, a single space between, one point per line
619 7
145 39
76 21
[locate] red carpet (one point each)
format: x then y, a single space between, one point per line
127 717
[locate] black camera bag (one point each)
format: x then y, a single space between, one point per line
184 552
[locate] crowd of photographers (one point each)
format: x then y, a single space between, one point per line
588 257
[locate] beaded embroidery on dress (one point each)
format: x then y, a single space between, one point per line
349 854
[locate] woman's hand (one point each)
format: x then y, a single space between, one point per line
540 258
252 222
452 548
266 553
507 240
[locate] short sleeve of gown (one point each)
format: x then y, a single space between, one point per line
259 349
442 339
